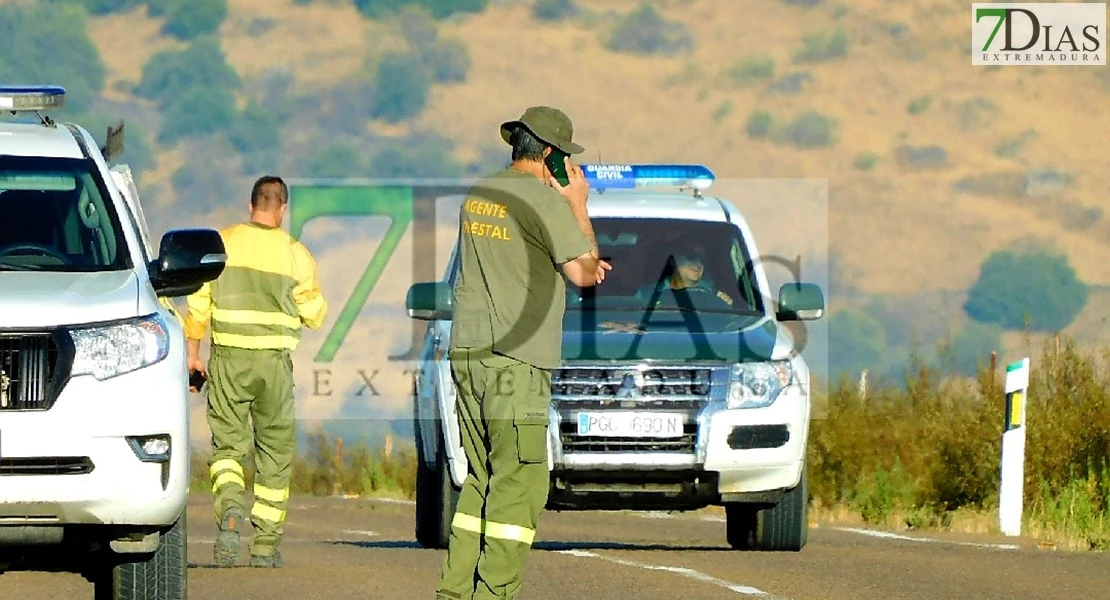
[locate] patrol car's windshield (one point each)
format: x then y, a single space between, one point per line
56 215
669 264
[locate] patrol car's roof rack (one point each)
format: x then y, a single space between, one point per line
32 98
609 176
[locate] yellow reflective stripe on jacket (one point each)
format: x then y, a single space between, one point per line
271 494
256 317
514 533
255 342
267 513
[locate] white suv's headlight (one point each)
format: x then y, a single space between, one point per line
108 351
758 385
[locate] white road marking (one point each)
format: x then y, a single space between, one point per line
359 532
895 536
692 574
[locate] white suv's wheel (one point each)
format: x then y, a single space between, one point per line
783 527
162 577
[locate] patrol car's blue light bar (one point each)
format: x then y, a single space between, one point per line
31 97
641 176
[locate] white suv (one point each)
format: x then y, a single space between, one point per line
94 453
665 400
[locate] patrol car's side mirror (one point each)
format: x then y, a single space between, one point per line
187 259
430 301
800 302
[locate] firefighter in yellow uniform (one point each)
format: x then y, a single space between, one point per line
256 308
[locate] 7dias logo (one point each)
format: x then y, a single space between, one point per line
1065 33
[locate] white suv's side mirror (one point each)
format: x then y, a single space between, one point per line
187 259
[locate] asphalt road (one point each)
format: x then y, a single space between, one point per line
346 549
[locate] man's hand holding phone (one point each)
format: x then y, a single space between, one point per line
578 189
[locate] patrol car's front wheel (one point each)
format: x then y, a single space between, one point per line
783 527
161 577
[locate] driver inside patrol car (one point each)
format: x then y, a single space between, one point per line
684 270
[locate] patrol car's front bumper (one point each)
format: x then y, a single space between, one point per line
82 461
729 455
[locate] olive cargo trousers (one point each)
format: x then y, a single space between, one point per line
502 406
257 384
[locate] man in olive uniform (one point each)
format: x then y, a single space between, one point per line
520 233
267 291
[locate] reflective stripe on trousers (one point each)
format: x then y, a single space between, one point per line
493 529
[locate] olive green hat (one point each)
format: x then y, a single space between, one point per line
550 125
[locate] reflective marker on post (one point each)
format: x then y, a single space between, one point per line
1013 448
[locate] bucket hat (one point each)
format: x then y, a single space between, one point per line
550 125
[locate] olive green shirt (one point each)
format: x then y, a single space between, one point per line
514 233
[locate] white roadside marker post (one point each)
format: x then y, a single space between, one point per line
1013 449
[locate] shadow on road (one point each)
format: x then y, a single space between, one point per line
551 546
564 546
381 544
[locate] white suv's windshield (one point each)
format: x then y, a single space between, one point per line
671 264
56 215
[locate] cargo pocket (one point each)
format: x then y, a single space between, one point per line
530 423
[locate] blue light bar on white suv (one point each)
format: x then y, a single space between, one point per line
17 98
640 176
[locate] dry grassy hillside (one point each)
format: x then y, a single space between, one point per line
929 155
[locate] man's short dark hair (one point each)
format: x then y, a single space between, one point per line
526 146
269 192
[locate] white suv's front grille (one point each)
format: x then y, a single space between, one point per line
684 389
27 364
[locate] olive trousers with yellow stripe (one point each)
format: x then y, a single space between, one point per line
502 407
254 384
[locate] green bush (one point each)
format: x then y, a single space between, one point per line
751 70
157 8
645 31
759 124
809 130
420 156
824 46
171 73
1038 289
919 105
969 349
337 160
446 60
440 9
46 44
401 87
189 19
865 161
107 7
256 135
856 342
554 10
198 111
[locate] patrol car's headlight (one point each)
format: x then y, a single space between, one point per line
111 350
758 385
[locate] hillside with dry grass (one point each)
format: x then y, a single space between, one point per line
932 164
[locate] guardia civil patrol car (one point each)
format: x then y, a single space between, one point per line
680 387
94 453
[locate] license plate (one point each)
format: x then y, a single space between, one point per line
630 424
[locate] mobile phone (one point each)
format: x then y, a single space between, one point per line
197 380
557 166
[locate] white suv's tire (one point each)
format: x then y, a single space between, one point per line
163 577
783 527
